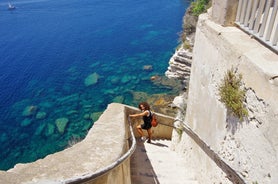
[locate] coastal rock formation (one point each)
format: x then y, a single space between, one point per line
180 62
248 146
179 65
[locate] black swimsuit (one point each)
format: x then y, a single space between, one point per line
147 121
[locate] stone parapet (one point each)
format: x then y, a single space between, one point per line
102 146
105 143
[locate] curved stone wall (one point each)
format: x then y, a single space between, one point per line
105 143
101 147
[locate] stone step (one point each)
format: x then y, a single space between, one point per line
156 163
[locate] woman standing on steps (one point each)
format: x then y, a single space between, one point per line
147 118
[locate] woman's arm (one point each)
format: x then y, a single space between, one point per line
145 113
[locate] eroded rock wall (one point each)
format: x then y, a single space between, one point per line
250 147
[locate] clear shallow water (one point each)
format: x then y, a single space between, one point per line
48 49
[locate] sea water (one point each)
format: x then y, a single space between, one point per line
63 61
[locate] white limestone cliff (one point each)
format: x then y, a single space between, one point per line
250 147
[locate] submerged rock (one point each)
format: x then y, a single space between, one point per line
87 116
29 110
148 67
26 122
40 129
126 79
119 99
115 80
41 115
94 116
91 79
61 124
49 129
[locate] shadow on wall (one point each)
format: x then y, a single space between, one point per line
138 171
233 124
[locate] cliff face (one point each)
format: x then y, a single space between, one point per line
180 62
179 66
250 147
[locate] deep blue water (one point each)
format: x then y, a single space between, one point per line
49 47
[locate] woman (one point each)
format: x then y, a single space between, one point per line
147 118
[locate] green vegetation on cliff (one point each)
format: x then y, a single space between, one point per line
190 20
200 6
232 95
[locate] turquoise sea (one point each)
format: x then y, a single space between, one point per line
63 61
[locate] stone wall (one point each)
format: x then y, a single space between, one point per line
104 144
250 147
101 147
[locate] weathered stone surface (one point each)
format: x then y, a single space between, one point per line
249 147
180 65
101 147
179 102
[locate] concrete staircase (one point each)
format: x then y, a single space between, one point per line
155 163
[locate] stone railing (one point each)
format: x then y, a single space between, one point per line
230 172
103 157
259 18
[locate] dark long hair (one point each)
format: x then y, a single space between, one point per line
145 104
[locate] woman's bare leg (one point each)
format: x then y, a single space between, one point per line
150 135
139 130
